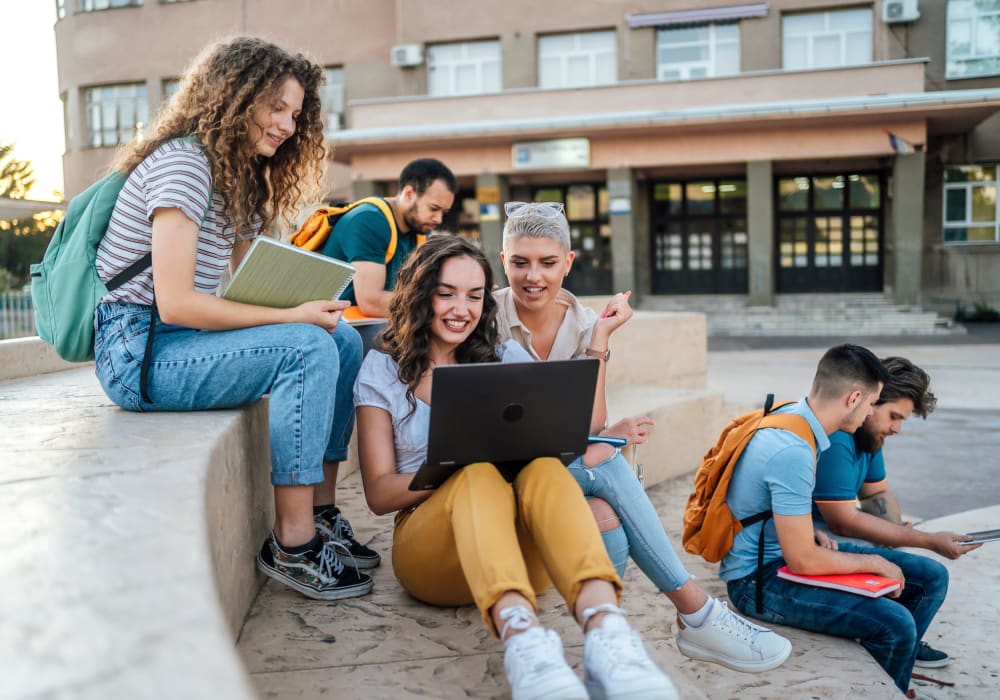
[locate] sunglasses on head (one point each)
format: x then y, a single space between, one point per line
546 210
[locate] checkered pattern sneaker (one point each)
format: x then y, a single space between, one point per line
317 573
332 525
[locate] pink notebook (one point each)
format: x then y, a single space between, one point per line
869 585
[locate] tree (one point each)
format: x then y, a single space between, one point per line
16 175
22 241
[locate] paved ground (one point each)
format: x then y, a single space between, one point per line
387 646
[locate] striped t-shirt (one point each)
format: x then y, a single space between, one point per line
176 175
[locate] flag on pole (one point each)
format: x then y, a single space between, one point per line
899 144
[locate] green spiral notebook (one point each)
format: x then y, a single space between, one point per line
280 275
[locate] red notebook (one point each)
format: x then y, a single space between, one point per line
869 585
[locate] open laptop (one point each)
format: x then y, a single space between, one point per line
507 414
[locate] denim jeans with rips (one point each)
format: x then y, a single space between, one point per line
889 628
647 541
308 373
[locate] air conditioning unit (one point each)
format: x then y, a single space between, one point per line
407 55
899 11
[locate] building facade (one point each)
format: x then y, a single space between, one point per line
699 146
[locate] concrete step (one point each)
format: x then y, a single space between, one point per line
808 314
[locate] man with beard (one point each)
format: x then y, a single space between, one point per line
362 236
776 475
853 471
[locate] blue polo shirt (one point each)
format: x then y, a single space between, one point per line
843 469
776 472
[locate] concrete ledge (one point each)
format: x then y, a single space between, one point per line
114 582
28 357
688 422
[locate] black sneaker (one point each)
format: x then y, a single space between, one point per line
929 657
318 573
332 525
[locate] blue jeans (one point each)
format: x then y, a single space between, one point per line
647 542
308 373
889 628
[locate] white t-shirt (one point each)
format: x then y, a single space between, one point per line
378 385
175 175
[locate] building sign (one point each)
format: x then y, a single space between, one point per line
557 153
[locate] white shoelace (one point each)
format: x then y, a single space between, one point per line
516 617
330 564
737 626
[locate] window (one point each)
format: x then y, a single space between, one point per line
170 88
91 5
60 9
332 98
469 68
970 204
67 122
116 113
577 60
973 38
689 53
827 39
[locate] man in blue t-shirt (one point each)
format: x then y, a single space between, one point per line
361 237
776 473
853 470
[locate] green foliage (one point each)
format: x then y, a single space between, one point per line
16 175
22 241
6 280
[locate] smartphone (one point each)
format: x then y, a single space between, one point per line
609 439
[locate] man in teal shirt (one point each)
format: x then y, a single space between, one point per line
362 236
853 470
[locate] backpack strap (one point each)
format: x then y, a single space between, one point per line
798 425
386 210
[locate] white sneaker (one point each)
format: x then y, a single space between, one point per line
537 670
733 641
617 665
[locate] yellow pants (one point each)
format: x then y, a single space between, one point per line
479 536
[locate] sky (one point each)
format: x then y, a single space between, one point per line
31 113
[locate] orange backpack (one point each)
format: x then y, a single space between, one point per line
314 231
709 525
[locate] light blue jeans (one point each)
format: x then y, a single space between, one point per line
644 537
308 373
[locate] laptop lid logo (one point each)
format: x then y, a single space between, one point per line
513 412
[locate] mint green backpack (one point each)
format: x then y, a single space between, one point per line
65 288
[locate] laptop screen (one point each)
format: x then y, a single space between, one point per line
507 413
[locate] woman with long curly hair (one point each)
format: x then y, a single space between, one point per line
479 538
239 148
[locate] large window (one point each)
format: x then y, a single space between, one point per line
468 68
91 5
171 86
973 38
116 113
332 97
970 204
827 39
577 60
688 53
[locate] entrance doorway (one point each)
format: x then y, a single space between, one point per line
699 237
590 235
829 235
